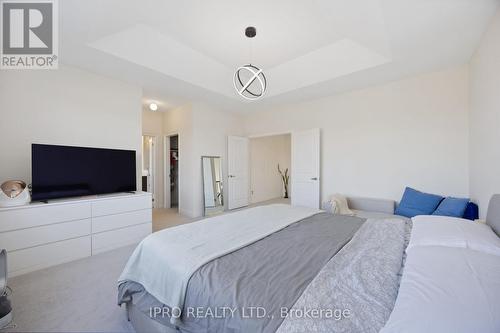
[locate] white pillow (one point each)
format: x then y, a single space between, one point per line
447 290
431 230
339 205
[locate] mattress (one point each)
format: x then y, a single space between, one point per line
250 290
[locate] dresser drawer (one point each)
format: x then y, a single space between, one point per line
21 239
109 240
110 222
39 215
28 260
121 205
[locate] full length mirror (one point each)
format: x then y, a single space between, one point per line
212 185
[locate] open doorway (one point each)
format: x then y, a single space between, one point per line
266 181
174 171
171 171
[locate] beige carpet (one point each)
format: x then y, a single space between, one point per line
80 296
74 297
166 218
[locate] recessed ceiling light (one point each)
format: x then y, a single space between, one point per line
153 106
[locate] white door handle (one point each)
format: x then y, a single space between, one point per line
314 178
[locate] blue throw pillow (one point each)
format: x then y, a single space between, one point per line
454 207
416 203
471 212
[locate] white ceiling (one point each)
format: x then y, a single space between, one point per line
180 51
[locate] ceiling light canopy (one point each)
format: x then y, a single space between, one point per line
249 80
153 106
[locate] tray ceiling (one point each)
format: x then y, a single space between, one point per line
188 50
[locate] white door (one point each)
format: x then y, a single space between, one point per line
237 171
149 166
305 168
151 178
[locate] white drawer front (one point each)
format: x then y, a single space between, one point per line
28 260
42 215
21 239
121 205
110 222
117 238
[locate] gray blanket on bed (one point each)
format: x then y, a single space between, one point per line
360 283
246 290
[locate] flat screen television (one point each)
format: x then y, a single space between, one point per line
63 171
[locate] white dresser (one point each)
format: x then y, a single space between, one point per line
40 235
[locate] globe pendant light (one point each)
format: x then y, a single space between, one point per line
249 80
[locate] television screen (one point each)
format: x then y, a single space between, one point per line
62 171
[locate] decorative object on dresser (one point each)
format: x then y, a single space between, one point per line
285 178
14 193
40 235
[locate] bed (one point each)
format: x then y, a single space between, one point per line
293 270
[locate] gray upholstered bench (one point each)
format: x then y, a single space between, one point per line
368 207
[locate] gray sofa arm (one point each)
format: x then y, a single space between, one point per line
366 204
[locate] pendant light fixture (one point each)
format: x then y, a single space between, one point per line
249 80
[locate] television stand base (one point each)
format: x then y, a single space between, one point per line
71 229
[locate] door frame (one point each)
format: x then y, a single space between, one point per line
254 136
154 162
265 135
290 132
167 200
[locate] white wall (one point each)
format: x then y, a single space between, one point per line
67 106
211 129
202 131
485 117
152 123
376 141
180 121
265 155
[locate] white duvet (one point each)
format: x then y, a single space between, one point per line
164 261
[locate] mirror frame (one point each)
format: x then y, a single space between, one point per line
203 183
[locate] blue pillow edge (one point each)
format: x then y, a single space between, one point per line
447 211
